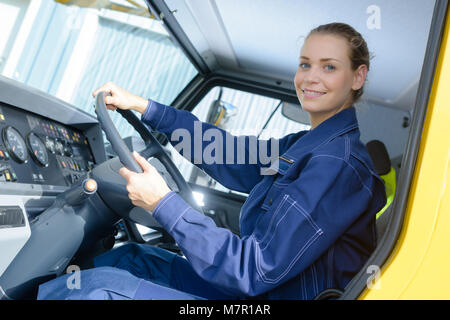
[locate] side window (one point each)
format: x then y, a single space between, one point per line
239 113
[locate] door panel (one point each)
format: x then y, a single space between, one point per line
223 207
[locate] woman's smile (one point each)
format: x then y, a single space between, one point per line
312 94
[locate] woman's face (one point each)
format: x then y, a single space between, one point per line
325 79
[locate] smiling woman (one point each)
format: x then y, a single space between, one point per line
333 78
309 219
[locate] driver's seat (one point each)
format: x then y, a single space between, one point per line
382 165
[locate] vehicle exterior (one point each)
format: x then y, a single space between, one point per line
418 265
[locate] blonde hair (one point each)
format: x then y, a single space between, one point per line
359 52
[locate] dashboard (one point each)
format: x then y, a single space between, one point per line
46 146
38 150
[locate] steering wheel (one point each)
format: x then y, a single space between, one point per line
112 186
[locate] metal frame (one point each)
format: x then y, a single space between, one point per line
199 87
160 10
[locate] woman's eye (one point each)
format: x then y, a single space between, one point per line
304 65
330 67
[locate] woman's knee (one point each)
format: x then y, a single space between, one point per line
103 283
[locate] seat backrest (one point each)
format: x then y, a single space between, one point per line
380 157
382 165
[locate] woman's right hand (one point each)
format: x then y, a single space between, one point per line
122 99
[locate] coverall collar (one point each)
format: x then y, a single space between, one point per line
337 125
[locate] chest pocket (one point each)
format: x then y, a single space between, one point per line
281 179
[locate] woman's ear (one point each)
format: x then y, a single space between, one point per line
359 77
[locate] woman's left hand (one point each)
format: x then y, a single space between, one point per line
145 189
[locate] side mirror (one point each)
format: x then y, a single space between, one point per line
295 113
220 112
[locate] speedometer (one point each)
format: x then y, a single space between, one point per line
37 149
15 144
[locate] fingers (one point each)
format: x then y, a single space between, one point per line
138 203
125 173
107 87
146 166
132 197
111 107
110 100
111 103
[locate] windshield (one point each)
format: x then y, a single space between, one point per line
70 50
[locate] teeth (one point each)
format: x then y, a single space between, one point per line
313 93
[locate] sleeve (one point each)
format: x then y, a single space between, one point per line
301 224
236 162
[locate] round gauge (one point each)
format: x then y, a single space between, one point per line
50 144
59 147
37 149
15 144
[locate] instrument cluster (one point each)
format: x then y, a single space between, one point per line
41 151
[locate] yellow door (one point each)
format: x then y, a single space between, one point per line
419 265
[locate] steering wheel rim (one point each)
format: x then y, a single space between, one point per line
113 136
153 147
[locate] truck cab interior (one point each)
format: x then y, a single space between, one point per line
231 63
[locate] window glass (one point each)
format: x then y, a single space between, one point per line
69 51
246 114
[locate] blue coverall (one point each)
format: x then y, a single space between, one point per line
309 227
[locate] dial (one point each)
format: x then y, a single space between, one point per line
15 144
50 144
37 149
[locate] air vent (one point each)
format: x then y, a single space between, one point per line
11 217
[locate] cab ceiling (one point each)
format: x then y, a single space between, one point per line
264 37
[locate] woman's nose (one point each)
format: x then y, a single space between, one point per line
312 75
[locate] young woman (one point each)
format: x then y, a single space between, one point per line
309 227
